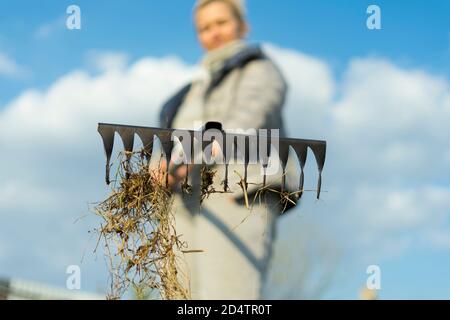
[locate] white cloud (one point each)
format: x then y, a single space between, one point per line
311 88
393 122
386 127
9 68
393 99
48 29
107 61
387 214
388 140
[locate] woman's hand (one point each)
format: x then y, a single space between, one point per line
178 175
175 176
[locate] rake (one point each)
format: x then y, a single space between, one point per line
229 145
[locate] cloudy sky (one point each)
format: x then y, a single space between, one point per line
381 99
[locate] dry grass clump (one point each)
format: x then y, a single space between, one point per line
137 228
287 199
207 180
138 231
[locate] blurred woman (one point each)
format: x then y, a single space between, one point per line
241 88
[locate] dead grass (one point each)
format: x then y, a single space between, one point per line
138 234
207 180
137 230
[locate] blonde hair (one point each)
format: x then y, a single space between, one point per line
236 6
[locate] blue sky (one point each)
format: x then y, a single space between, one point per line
414 41
415 33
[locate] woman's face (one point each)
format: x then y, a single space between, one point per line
217 25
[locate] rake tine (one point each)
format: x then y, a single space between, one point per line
167 146
246 160
302 181
301 150
319 150
226 161
147 138
265 176
319 185
127 136
230 152
191 156
107 134
264 150
187 151
284 155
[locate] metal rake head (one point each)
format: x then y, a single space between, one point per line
231 144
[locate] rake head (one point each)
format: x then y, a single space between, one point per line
253 148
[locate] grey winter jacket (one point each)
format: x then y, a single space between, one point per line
250 94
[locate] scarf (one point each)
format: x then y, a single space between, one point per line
214 60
